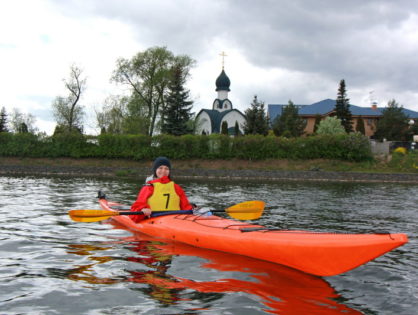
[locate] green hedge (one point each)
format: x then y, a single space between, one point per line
352 147
22 145
124 146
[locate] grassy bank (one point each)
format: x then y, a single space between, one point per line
397 163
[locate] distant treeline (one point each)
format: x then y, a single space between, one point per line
351 147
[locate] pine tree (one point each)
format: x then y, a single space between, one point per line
177 113
289 124
360 126
224 128
236 129
3 120
342 108
257 120
393 125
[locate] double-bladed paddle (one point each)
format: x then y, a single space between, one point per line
247 210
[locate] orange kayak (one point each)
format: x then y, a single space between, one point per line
317 253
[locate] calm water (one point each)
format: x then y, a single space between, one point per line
52 265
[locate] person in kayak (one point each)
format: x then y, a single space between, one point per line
160 192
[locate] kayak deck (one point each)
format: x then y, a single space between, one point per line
317 253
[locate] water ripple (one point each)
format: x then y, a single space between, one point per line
52 265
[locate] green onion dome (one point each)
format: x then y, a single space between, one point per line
223 82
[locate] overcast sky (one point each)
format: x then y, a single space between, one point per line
278 49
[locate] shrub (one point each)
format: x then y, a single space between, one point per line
330 126
352 147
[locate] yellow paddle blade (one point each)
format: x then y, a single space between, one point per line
247 210
92 213
89 219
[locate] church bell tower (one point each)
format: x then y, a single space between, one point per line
222 103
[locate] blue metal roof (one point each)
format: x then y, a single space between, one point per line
411 113
326 106
322 108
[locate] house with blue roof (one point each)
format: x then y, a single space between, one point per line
210 120
325 108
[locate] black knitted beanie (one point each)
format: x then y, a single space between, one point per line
161 160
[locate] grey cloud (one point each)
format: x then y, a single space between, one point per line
347 40
360 41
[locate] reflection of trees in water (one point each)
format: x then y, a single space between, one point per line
281 289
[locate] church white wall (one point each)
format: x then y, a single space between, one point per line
203 124
222 95
232 117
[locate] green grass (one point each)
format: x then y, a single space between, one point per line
396 163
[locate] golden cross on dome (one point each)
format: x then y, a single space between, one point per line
223 54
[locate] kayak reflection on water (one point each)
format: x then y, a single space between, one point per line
148 255
159 263
280 289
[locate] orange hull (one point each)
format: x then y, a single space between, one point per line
322 254
281 289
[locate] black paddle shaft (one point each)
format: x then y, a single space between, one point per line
130 212
163 212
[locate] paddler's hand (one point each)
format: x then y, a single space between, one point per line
201 212
147 212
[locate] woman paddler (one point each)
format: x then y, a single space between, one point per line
160 192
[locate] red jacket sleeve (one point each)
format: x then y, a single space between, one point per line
184 202
141 202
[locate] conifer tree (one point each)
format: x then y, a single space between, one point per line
236 129
3 120
257 120
177 114
224 128
393 125
360 126
342 108
289 124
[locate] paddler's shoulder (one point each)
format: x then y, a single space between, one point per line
149 180
162 180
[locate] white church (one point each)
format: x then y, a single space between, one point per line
210 120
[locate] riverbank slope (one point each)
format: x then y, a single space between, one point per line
311 170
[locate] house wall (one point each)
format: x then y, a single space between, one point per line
369 125
310 123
